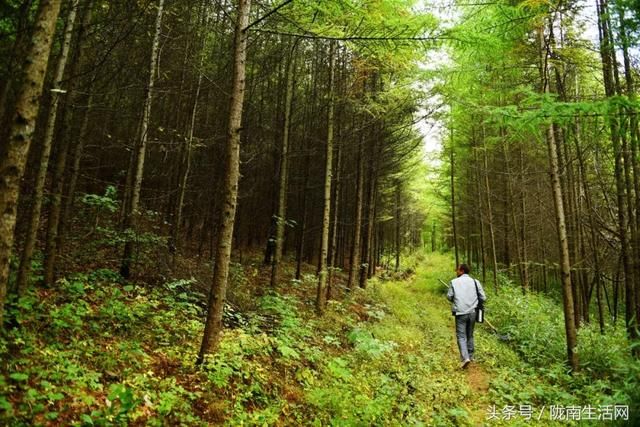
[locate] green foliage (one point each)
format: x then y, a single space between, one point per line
383 357
108 202
364 342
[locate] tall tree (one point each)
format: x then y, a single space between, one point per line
217 293
34 218
131 204
13 155
281 219
326 213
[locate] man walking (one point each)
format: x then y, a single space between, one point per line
465 293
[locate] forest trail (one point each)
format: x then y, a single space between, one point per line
420 304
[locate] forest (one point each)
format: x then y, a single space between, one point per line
247 212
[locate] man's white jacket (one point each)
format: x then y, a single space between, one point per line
462 293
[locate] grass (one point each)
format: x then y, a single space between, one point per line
95 352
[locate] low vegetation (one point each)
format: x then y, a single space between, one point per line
94 351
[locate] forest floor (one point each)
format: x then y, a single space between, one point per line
419 305
96 351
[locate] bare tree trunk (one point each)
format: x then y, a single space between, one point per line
13 154
523 225
284 170
490 214
592 226
217 294
570 327
453 201
334 233
52 244
565 266
397 224
131 210
34 219
365 265
303 222
354 262
326 217
483 256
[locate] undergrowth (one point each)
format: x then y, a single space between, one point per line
95 350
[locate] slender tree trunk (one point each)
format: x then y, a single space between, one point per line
483 256
334 233
592 226
570 327
131 210
453 201
284 170
564 174
492 235
565 265
13 154
24 270
213 325
523 225
366 262
326 216
52 244
303 223
354 262
397 224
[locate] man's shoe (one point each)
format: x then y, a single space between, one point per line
465 364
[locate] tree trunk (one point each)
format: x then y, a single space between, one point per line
13 155
354 262
284 170
131 208
326 216
523 225
52 244
397 224
453 202
334 233
565 265
24 270
490 215
569 319
483 257
217 294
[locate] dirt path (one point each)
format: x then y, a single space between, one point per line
420 305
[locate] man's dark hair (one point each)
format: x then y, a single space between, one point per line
464 267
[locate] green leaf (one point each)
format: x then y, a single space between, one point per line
288 352
6 405
86 419
19 376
